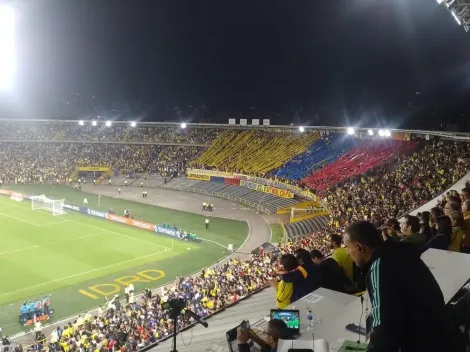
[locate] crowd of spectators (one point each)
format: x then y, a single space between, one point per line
380 197
393 190
142 321
35 162
72 131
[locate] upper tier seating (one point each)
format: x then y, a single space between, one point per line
253 151
368 154
321 153
60 131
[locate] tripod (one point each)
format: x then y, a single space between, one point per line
174 314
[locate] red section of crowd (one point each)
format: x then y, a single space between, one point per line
357 161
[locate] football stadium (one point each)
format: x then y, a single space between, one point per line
207 176
92 228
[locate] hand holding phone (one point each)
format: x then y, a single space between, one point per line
245 326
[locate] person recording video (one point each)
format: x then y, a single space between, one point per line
276 329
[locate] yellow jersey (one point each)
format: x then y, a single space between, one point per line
345 261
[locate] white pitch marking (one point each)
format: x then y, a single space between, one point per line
82 273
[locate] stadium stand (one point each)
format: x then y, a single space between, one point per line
264 201
297 230
117 132
254 151
321 153
382 191
52 161
367 155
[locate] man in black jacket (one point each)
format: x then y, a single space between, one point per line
408 309
306 278
333 277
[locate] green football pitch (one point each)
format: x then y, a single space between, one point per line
77 260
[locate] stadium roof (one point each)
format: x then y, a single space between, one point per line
200 339
460 9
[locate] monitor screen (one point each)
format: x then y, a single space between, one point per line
290 317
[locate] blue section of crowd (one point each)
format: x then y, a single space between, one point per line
323 152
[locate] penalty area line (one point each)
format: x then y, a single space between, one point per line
83 273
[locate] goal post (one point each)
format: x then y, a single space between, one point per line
299 214
56 206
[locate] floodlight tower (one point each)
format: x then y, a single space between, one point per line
7 46
460 10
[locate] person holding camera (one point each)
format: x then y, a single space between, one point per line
276 329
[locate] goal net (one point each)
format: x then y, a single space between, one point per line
56 206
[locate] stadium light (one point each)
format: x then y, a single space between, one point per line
93 123
350 130
440 1
183 125
7 45
302 129
108 123
370 132
387 133
381 133
133 124
81 123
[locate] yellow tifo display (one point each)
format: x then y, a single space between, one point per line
252 151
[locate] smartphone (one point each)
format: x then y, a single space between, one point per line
245 326
356 329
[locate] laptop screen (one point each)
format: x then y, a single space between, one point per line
290 317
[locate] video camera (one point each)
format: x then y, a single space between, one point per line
174 305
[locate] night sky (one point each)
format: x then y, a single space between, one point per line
229 57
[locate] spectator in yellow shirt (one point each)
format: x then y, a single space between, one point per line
341 255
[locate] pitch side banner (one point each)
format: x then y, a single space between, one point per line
167 231
264 181
93 168
282 193
209 172
199 177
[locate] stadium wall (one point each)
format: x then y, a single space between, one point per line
107 216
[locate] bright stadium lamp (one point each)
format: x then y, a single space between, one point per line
387 133
440 1
302 129
93 123
7 45
133 124
183 125
350 130
81 123
381 133
370 132
108 123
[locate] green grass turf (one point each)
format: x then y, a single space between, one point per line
43 254
277 233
